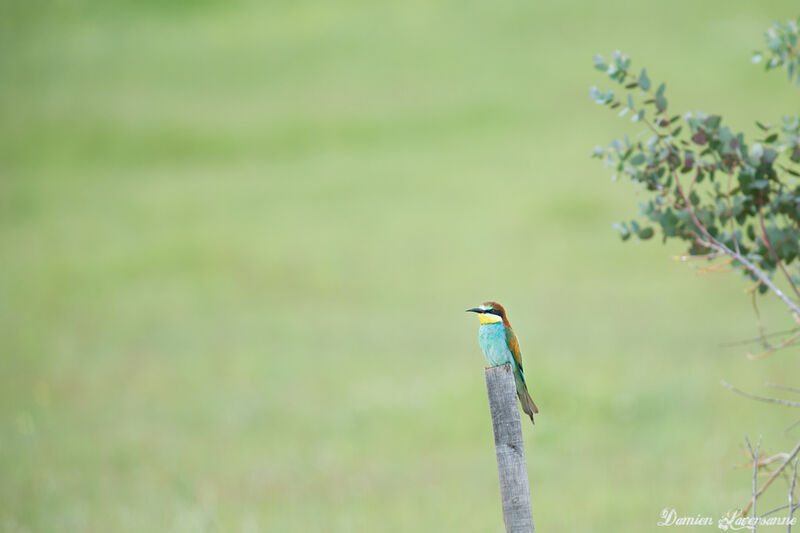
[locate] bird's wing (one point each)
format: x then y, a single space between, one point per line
513 346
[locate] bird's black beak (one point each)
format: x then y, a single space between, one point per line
475 310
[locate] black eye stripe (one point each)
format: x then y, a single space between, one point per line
495 312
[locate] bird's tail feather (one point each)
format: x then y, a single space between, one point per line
527 404
525 399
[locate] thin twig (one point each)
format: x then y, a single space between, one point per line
792 425
718 267
791 498
719 270
782 387
776 457
785 344
777 259
781 508
788 403
765 462
755 474
754 298
753 289
772 478
690 257
756 339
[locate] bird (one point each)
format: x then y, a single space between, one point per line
500 346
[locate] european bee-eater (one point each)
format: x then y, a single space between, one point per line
500 346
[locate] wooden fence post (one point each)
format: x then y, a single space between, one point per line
510 449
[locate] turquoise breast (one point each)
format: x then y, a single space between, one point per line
492 338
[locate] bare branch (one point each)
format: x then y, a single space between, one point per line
759 398
757 339
791 498
714 244
750 267
792 425
782 387
755 474
690 257
785 344
772 478
765 462
719 267
768 244
781 508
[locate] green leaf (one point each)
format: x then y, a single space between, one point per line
660 90
646 233
600 63
637 160
713 122
790 171
756 151
661 102
622 229
683 215
644 81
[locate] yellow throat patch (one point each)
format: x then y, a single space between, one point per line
488 318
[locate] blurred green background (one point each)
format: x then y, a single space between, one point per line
238 239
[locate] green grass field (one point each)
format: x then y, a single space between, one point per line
238 240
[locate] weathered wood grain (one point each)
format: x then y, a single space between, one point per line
510 450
